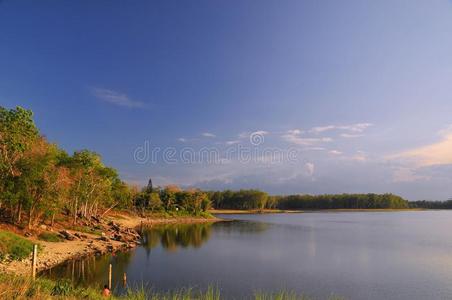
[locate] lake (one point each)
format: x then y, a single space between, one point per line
356 255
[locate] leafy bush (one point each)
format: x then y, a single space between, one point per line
14 246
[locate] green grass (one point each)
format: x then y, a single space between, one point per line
50 237
14 246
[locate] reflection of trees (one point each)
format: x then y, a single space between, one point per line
241 227
92 269
173 236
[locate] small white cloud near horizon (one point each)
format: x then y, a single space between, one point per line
182 140
208 134
232 142
116 98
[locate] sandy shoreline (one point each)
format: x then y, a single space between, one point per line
54 254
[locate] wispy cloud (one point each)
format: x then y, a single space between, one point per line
208 134
116 98
438 153
247 134
335 152
232 142
350 135
260 132
294 136
182 140
356 128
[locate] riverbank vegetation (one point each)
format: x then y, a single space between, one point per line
40 182
13 246
19 287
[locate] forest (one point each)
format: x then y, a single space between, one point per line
39 180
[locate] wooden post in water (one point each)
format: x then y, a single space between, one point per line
109 277
124 279
34 261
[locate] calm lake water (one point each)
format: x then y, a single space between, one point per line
357 255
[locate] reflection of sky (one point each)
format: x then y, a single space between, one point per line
394 255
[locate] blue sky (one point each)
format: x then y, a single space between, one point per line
359 90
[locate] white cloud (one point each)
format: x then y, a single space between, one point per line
208 134
260 132
116 98
232 142
335 152
357 128
246 135
320 129
182 140
295 136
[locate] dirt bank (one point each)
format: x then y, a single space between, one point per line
117 233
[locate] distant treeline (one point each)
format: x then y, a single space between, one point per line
255 199
431 204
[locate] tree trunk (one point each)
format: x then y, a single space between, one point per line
19 213
52 222
75 211
30 218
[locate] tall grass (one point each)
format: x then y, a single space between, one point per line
288 295
20 287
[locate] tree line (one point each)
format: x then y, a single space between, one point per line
39 180
431 204
255 199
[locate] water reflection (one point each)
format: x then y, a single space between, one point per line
171 237
93 271
359 255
